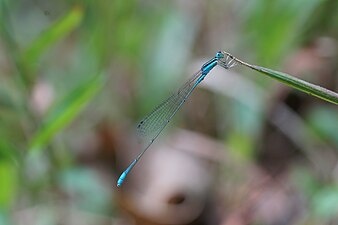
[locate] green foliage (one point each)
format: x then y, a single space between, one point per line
63 112
8 184
325 202
274 37
297 83
320 120
58 31
84 186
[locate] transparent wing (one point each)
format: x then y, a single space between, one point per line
150 126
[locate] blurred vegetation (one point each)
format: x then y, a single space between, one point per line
69 69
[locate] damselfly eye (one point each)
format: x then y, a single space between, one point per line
219 55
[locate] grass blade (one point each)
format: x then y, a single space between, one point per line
293 82
65 111
299 84
54 33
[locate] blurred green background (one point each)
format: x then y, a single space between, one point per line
76 75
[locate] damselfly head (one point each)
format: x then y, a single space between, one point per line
227 61
219 55
227 54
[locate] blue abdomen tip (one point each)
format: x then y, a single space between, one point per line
125 173
121 179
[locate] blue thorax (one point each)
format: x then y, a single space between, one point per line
211 63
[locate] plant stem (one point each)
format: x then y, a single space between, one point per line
292 81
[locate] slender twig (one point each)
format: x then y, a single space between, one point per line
292 81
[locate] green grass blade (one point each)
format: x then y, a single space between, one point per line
299 84
64 112
293 82
53 34
8 183
8 151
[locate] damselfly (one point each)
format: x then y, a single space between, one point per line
151 126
